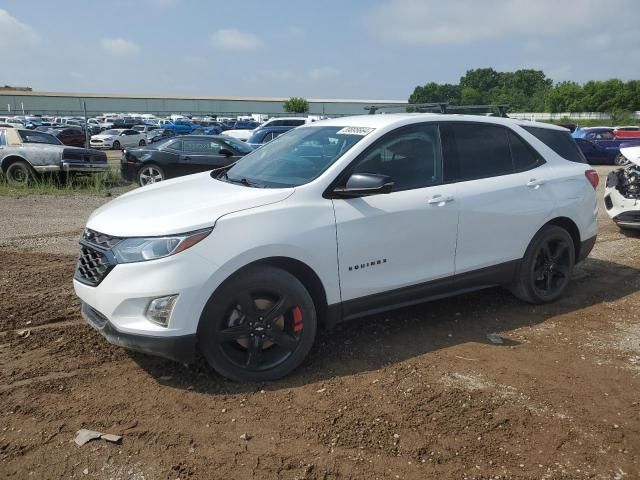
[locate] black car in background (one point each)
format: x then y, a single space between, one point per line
159 134
182 155
68 134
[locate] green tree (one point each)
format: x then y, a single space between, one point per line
296 105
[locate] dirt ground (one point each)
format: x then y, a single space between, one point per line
416 393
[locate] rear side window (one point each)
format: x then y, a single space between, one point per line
558 141
474 151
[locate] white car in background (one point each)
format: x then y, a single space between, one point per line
332 221
622 192
118 138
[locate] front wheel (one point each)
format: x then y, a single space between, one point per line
546 268
259 325
116 145
142 143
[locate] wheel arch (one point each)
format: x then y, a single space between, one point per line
8 160
304 273
570 226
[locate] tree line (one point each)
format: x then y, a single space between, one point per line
530 90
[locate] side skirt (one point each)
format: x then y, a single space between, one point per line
496 275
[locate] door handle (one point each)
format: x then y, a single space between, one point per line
440 200
535 184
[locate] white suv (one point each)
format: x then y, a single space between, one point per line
331 221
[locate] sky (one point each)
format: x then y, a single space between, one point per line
369 49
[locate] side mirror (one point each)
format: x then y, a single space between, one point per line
364 184
226 152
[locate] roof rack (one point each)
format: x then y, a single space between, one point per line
444 108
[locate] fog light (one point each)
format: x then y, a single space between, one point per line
159 309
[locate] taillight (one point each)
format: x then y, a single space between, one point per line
593 178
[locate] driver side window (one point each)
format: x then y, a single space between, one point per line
411 156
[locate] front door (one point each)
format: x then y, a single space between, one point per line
392 243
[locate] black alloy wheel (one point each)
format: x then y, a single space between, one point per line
545 270
259 326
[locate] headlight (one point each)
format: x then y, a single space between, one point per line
143 249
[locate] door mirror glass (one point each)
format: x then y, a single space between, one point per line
364 184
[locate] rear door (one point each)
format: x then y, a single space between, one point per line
202 154
501 193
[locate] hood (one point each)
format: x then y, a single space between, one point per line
632 154
180 205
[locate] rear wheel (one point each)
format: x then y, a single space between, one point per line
19 173
150 174
259 325
546 268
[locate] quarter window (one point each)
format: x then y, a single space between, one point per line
411 156
560 142
475 151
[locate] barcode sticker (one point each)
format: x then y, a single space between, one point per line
355 131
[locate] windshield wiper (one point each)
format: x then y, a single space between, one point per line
243 181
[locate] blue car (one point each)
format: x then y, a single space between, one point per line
265 135
181 126
600 146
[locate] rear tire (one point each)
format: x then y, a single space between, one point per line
545 270
258 326
621 160
150 173
19 173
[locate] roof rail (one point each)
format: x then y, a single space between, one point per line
444 107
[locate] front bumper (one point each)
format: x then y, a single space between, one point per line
101 144
180 348
129 170
625 212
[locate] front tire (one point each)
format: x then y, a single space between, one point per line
546 268
142 143
19 173
116 145
149 174
258 326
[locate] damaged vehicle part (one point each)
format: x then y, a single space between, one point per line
622 192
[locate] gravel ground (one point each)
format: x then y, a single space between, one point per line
415 393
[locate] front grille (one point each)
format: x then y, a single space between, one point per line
98 239
92 266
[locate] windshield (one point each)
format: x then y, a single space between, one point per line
111 132
239 145
296 157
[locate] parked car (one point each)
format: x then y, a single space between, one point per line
181 126
118 138
207 131
599 145
26 154
333 221
263 135
67 134
144 129
622 192
15 122
183 155
159 134
242 130
126 123
285 122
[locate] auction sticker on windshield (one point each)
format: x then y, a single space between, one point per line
355 131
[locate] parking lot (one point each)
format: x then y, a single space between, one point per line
420 392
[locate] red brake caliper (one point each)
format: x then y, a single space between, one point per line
297 320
